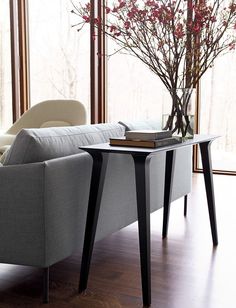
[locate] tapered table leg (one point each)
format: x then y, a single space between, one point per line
143 207
185 204
95 195
170 162
207 171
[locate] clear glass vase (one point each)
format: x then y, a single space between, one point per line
178 115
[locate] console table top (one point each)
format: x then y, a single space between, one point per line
106 147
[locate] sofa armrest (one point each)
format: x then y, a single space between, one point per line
43 209
22 214
67 183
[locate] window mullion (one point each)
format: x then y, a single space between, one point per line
24 55
14 60
19 57
97 54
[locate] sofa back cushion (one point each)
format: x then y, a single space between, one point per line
35 145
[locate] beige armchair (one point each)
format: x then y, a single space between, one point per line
49 113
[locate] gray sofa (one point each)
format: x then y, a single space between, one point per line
44 187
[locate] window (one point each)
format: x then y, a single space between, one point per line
133 91
5 67
218 109
59 55
61 61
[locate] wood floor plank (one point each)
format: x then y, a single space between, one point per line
187 271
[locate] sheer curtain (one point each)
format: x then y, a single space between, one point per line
218 110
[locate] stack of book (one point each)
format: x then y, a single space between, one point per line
146 139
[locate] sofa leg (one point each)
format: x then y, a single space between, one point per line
185 204
46 285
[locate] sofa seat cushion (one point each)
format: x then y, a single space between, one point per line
35 145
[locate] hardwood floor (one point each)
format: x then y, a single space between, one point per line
186 270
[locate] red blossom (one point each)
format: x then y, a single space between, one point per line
232 7
113 28
164 14
130 14
133 12
127 24
108 10
86 18
156 13
164 29
179 33
213 18
151 3
122 4
97 21
196 29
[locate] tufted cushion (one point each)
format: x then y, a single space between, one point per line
34 145
145 124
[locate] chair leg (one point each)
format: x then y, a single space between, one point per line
185 204
46 285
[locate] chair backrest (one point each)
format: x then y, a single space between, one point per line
51 113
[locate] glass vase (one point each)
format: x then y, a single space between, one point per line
178 115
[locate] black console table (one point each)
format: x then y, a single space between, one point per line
142 158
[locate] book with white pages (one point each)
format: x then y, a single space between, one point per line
145 143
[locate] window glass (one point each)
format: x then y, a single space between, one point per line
218 110
59 55
5 67
134 92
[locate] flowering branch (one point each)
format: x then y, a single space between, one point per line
178 40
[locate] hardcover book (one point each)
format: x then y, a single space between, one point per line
144 143
148 134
